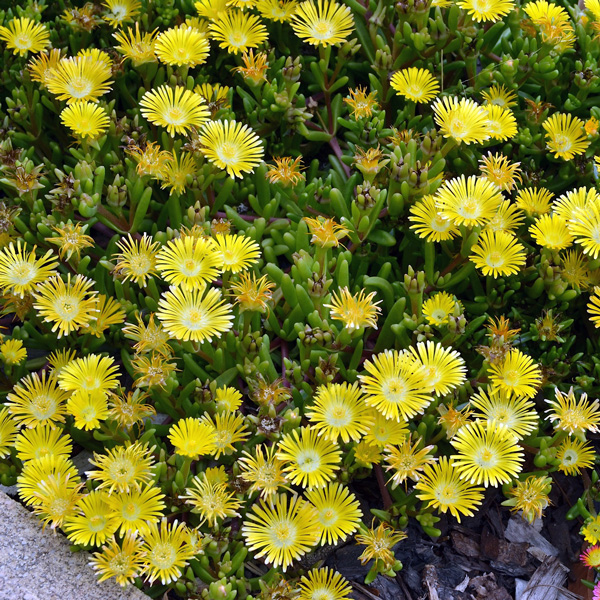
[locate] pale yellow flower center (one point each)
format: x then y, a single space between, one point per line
394 390
194 319
162 556
284 534
131 511
228 153
67 307
562 143
79 87
439 315
238 38
447 495
23 42
96 523
175 115
486 458
308 461
469 208
121 471
338 416
328 517
494 259
322 30
439 224
22 273
42 407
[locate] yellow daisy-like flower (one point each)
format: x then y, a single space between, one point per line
338 411
444 368
384 432
236 252
516 374
264 471
71 238
355 312
88 409
461 119
500 96
517 415
211 500
231 146
33 444
379 543
139 47
251 293
56 499
281 11
502 124
255 67
508 218
24 35
85 119
151 160
122 561
238 31
326 233
153 371
530 497
468 201
40 67
591 530
407 460
176 109
21 271
182 45
228 399
429 223
573 415
94 523
229 429
366 454
396 385
8 432
286 171
282 530
109 312
361 104
37 401
137 259
324 584
323 24
498 253
487 10
441 486
573 455
565 135
575 270
137 509
94 373
568 205
120 11
79 79
584 226
452 420
438 309
38 470
418 85
500 171
149 338
534 201
212 10
551 231
188 262
12 352
178 172
193 314
338 512
192 437
127 409
487 454
68 306
309 460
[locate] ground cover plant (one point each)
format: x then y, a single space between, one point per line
259 255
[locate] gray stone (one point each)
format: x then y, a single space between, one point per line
37 564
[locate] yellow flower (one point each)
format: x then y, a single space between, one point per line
407 460
530 497
41 67
396 385
127 409
24 35
12 352
463 119
508 218
551 231
254 68
591 126
21 271
282 530
591 530
177 109
88 409
286 171
189 263
71 239
109 312
500 96
137 259
339 410
325 584
252 293
231 146
56 499
574 415
281 11
584 226
565 135
379 543
310 461
573 455
361 104
568 205
136 46
441 487
594 307
498 253
492 10
486 455
38 470
194 315
452 420
238 31
182 45
85 119
229 428
338 512
212 9
151 160
323 24
79 79
137 509
264 471
216 96
191 437
124 562
383 432
152 371
94 523
67 306
326 233
418 85
438 309
236 252
355 312
534 201
516 374
8 432
468 201
429 222
211 500
499 170
120 11
444 368
575 270
367 454
502 124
